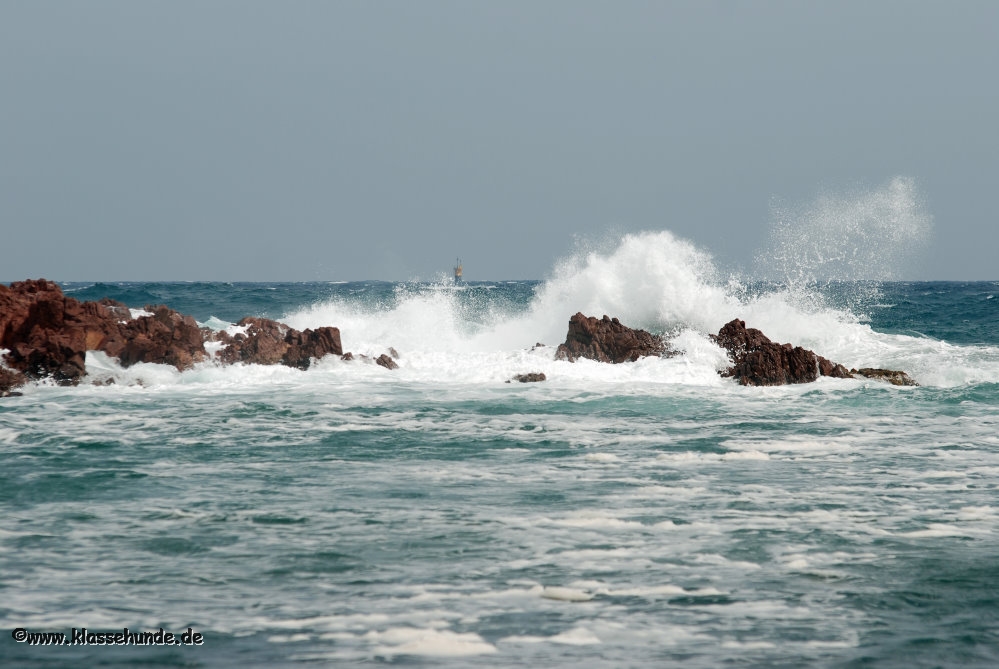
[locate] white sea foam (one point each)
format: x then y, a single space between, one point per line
428 642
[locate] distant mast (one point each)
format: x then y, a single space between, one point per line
457 271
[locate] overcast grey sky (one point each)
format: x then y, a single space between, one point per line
354 140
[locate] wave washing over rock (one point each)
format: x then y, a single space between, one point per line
48 335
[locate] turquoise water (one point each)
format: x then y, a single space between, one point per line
649 514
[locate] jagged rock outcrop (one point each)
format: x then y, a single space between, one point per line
892 376
166 337
308 344
758 361
267 342
608 340
49 334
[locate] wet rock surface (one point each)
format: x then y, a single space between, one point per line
608 340
758 361
530 377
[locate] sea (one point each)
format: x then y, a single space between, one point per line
647 514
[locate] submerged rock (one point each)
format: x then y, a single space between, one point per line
607 340
530 377
892 376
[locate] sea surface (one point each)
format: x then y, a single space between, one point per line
647 514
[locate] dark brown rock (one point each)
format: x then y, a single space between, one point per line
892 376
530 377
758 361
607 340
386 362
347 356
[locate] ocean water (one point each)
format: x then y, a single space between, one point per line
645 514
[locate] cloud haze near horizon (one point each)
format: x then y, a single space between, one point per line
364 140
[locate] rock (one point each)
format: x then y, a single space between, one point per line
530 377
893 377
166 337
386 362
347 356
308 344
758 361
263 343
10 379
48 334
393 353
268 342
607 340
116 308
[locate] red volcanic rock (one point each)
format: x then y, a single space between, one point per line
263 343
308 344
268 342
166 337
607 340
48 334
761 362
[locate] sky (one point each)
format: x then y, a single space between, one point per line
315 141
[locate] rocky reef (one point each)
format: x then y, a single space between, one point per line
756 360
47 335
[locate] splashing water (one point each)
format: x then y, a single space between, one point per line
859 236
